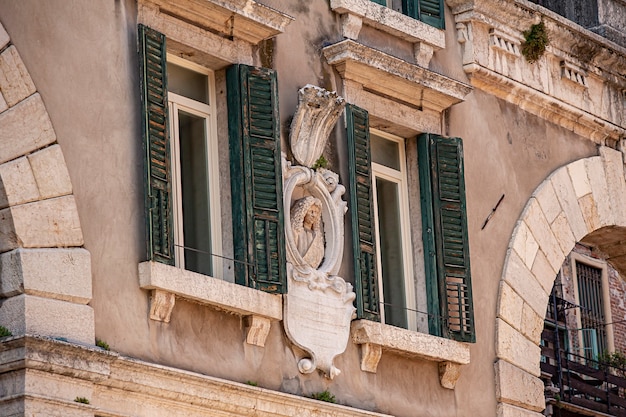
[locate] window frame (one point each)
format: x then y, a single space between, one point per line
400 178
175 103
606 299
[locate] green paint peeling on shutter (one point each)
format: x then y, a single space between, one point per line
256 178
446 248
152 59
362 214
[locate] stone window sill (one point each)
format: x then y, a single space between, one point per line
168 282
375 338
356 13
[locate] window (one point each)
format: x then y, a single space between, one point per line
195 173
428 11
380 228
592 293
182 174
389 187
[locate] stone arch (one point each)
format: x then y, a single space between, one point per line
577 201
45 273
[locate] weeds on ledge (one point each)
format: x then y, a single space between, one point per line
81 400
4 332
325 395
536 41
102 344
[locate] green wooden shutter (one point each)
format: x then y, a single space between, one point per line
256 178
158 202
428 11
362 214
444 229
431 12
381 2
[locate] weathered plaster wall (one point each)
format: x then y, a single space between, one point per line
82 57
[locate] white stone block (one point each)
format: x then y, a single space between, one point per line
540 229
42 224
28 314
4 37
25 128
580 181
510 306
50 172
614 169
563 233
507 410
523 281
62 274
600 190
515 348
3 103
589 209
567 198
544 272
524 244
548 201
518 387
15 81
532 324
17 183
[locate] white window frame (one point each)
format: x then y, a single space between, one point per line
606 298
176 103
400 178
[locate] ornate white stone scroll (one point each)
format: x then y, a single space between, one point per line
319 304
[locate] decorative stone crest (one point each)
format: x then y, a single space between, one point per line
318 306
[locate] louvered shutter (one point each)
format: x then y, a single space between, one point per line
428 11
446 249
362 214
152 59
256 178
431 12
381 2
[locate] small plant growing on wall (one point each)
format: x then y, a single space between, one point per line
321 162
102 344
4 332
81 400
536 41
325 395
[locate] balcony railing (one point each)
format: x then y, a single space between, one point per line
582 382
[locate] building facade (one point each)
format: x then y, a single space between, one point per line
308 208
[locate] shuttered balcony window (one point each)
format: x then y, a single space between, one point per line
428 11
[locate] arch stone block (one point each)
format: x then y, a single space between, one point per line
573 202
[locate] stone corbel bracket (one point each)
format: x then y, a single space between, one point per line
166 283
354 14
375 338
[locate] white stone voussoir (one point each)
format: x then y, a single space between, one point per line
600 190
614 169
41 224
539 227
15 81
580 181
524 244
26 127
546 197
515 348
28 314
58 273
50 171
508 410
4 37
17 183
518 387
566 195
524 282
510 306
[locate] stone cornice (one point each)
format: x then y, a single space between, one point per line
120 386
578 83
247 20
394 78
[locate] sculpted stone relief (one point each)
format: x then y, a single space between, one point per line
319 306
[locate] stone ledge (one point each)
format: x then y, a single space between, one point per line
127 387
375 338
355 13
168 282
394 78
247 20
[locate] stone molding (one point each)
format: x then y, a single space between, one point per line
247 20
577 84
376 338
582 201
426 39
43 291
168 282
394 78
54 373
